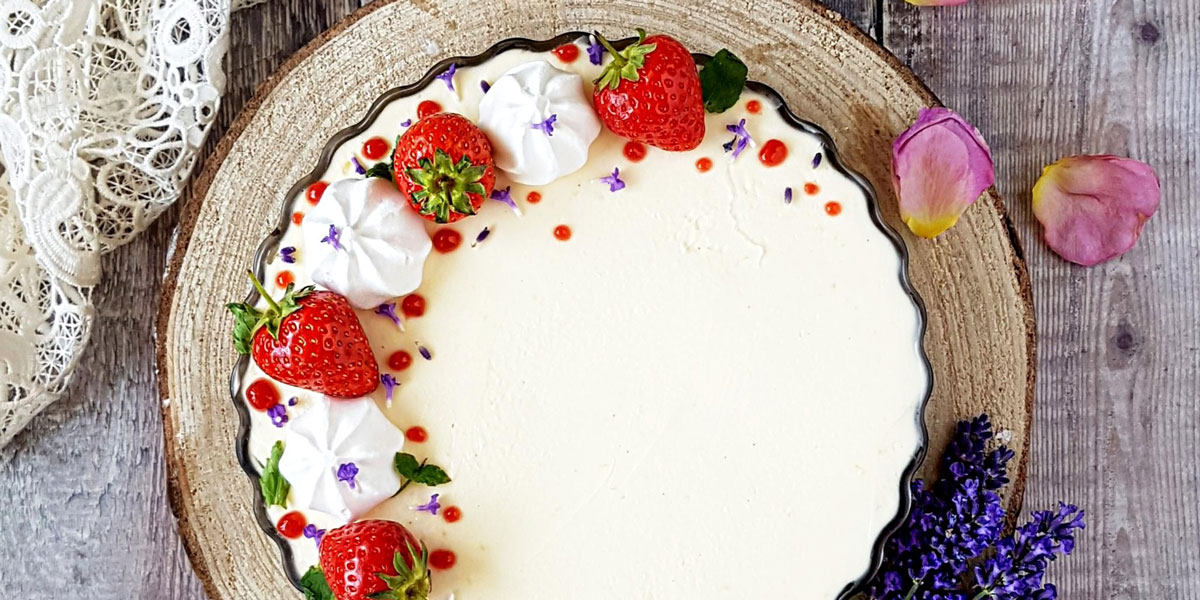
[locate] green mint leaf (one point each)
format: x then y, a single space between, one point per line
380 169
406 464
246 321
721 81
314 586
274 487
430 475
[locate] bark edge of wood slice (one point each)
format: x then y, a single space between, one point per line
980 335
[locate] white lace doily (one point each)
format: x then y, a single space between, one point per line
103 105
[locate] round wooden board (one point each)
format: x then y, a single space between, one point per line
980 337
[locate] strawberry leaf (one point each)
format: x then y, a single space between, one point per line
380 169
314 585
625 64
445 185
721 81
246 321
274 487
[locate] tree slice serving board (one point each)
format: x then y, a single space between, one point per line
980 338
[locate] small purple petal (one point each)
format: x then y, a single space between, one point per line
505 197
278 414
288 254
595 50
816 160
292 401
358 168
787 196
547 126
483 235
430 507
614 181
406 123
334 238
448 76
424 352
741 138
388 309
311 532
347 472
485 86
389 385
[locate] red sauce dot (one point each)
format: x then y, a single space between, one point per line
635 151
442 559
833 209
297 217
704 164
562 233
399 360
451 514
262 394
811 189
773 153
314 191
567 52
291 525
446 240
413 305
416 434
754 107
428 107
533 197
375 148
284 278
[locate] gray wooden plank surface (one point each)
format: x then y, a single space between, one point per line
1119 387
1116 423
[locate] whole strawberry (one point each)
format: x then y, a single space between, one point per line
375 559
650 92
308 339
444 165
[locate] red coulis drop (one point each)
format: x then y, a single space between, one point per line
811 189
533 197
314 191
773 153
428 107
262 394
399 360
833 209
416 434
442 559
413 305
291 525
754 107
567 52
635 151
452 514
297 218
284 278
562 233
704 164
375 148
446 240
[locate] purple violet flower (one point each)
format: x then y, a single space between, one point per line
347 472
741 138
334 238
430 507
424 352
288 254
406 123
595 50
358 168
448 76
816 162
311 532
483 235
388 309
485 86
278 414
787 195
505 196
614 181
547 126
389 385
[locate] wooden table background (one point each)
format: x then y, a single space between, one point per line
1116 427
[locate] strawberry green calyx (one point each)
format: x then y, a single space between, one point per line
249 319
626 63
409 583
445 185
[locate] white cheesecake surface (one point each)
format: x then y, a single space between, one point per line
706 392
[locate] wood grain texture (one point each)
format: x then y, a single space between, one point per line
972 278
1116 427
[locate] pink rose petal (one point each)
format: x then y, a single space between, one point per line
940 166
1093 207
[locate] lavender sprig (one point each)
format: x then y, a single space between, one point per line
447 76
614 181
334 238
741 138
546 126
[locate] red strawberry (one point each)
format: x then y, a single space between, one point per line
375 559
444 165
650 93
308 339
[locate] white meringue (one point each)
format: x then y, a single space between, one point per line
525 97
332 433
381 242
